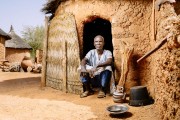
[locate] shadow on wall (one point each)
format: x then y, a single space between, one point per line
176 7
136 68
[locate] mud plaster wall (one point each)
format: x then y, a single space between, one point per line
16 55
2 48
39 56
167 63
131 22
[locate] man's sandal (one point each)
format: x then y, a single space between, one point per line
101 94
86 93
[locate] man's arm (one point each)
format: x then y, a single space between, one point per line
83 64
107 63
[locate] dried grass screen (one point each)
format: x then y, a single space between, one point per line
63 55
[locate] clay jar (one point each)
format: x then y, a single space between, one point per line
26 62
119 96
6 63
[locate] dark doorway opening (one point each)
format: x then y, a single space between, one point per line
97 26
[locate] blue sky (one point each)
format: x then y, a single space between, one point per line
20 13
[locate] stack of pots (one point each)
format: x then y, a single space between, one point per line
119 96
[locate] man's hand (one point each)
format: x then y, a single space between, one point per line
94 69
83 71
91 72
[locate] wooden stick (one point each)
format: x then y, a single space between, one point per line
153 21
126 53
162 42
65 66
43 78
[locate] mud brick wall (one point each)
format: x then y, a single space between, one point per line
39 56
167 64
16 55
2 48
130 21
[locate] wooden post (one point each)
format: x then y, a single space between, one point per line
153 22
65 66
43 78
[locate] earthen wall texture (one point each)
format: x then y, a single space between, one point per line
39 56
130 21
2 48
16 55
167 64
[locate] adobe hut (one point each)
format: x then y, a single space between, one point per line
3 37
16 48
74 23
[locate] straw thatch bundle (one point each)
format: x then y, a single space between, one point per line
63 46
51 6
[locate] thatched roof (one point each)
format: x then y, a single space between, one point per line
2 33
51 6
16 41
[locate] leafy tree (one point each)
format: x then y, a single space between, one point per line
34 37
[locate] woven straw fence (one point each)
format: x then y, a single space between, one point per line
63 29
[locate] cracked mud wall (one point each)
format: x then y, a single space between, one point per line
130 21
167 63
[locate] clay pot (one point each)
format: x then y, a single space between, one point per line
119 96
139 96
26 62
6 63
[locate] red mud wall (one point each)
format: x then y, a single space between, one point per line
2 48
130 21
39 56
16 55
167 64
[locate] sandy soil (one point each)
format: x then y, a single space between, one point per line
22 98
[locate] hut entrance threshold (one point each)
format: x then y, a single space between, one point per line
97 26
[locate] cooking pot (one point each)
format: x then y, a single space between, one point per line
139 96
26 62
119 95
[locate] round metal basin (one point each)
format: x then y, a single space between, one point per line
117 109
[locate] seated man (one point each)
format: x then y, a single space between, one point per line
96 69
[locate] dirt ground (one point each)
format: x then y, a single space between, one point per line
22 98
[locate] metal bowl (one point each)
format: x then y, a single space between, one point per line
117 109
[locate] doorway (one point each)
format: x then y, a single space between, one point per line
98 26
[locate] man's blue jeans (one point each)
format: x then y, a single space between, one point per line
99 81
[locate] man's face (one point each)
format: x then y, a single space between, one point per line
98 43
